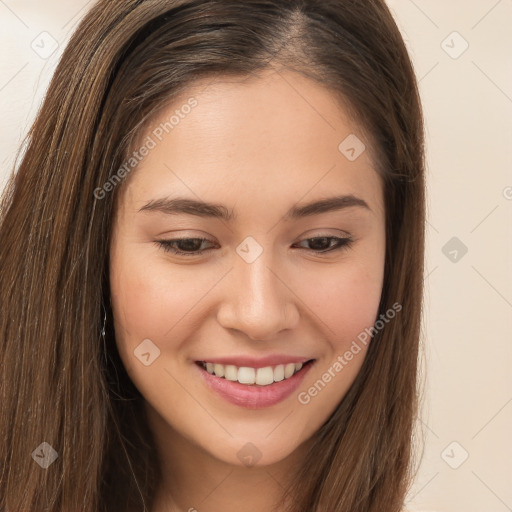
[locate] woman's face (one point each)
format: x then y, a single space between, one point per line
279 280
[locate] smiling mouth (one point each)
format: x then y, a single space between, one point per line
253 376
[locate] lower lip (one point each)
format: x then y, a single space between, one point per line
254 396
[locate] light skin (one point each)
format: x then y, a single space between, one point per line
260 147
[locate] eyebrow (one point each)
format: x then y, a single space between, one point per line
176 206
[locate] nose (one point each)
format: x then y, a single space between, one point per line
258 301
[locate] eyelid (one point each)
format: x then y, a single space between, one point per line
342 243
167 244
324 234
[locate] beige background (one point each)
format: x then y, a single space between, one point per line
468 310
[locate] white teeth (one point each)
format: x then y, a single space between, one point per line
246 375
279 373
260 376
219 370
230 372
289 370
264 376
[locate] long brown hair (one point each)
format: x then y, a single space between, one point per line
62 383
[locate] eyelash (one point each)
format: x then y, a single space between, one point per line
168 245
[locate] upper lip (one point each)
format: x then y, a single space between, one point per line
253 362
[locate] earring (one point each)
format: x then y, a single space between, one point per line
102 332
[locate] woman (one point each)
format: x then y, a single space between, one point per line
211 264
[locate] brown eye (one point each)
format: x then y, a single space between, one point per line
186 246
192 246
325 244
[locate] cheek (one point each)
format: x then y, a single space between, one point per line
147 302
346 299
346 303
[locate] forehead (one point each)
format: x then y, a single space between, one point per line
272 138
